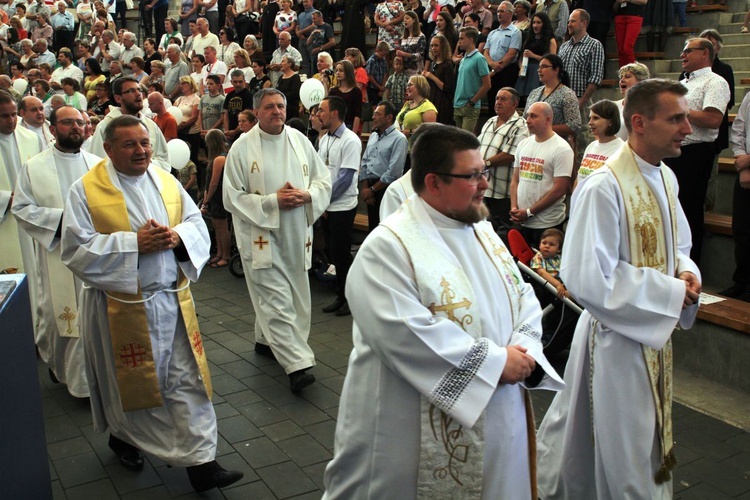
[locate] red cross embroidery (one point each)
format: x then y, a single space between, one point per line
197 343
133 355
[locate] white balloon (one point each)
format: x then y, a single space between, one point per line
176 112
311 92
20 85
179 153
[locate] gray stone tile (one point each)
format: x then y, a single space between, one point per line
259 381
60 428
286 480
156 493
238 326
57 491
705 445
243 398
261 452
741 442
235 462
262 414
255 491
175 479
315 473
69 448
702 491
226 384
334 359
221 355
323 432
223 447
719 476
313 495
51 408
710 426
126 481
101 490
99 442
238 428
277 395
225 410
79 469
304 451
241 369
321 396
303 413
282 430
336 384
209 328
239 345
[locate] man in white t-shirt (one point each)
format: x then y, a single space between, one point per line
341 151
204 38
541 176
212 67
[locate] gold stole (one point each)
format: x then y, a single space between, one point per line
128 324
648 248
451 458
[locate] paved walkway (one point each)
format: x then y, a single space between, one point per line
282 441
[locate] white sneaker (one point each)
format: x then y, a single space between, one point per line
331 271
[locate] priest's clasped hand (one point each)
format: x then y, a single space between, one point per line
692 289
518 366
153 237
289 197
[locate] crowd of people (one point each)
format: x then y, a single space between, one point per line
111 240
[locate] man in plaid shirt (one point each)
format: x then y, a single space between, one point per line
499 138
583 59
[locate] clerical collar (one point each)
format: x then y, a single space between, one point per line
441 220
643 164
66 154
339 131
272 137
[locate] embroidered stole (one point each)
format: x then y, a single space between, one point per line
10 249
262 250
47 191
648 248
131 340
451 456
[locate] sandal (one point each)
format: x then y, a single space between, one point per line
214 260
219 263
744 30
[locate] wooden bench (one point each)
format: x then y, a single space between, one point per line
731 313
717 223
707 8
745 81
361 223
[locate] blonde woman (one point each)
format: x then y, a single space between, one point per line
348 90
189 130
417 109
354 56
325 73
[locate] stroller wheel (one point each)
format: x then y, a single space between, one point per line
235 266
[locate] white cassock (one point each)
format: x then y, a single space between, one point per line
38 204
395 194
46 139
402 353
618 454
159 151
16 246
182 432
258 165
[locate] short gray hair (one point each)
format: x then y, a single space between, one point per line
110 132
236 73
640 71
259 95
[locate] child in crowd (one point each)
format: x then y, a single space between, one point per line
395 86
546 262
377 72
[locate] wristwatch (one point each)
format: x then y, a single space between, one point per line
487 163
529 215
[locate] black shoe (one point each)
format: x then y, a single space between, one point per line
734 291
53 377
130 457
299 380
264 350
335 305
344 311
211 475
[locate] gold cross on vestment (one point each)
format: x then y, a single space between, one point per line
197 343
261 242
448 306
308 244
68 316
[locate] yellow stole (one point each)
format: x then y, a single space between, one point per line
131 339
648 248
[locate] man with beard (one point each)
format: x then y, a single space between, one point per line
443 346
128 96
38 206
541 176
136 239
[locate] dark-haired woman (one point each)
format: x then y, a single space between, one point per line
566 117
541 40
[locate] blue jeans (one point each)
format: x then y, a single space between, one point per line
679 13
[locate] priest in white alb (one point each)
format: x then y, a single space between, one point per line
276 186
135 238
17 145
38 206
447 340
608 435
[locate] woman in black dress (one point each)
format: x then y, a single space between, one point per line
441 76
540 41
289 84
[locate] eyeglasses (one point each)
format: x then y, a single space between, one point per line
69 122
688 50
131 91
545 66
472 177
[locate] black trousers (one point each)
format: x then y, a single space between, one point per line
373 211
339 228
741 231
506 78
160 15
693 170
499 212
534 236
